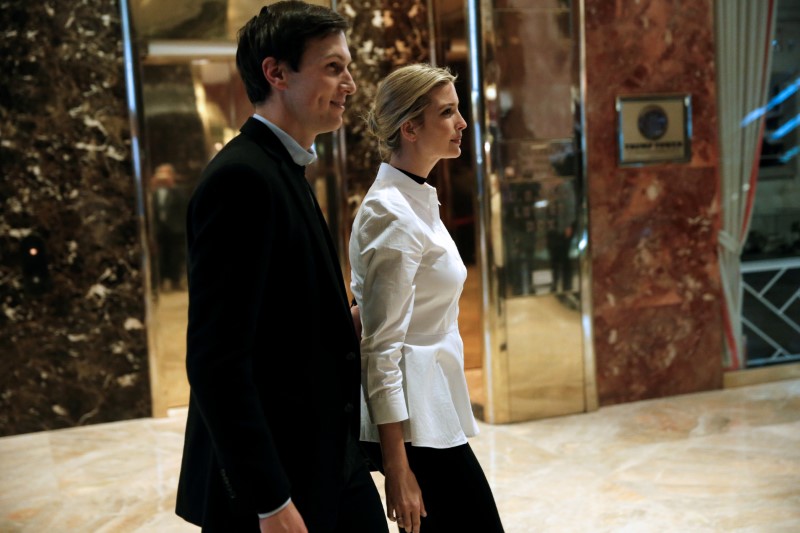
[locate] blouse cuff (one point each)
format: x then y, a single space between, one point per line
388 409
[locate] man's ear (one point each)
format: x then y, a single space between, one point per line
408 130
274 72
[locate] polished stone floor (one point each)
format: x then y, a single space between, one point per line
723 461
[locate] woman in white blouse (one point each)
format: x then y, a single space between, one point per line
407 276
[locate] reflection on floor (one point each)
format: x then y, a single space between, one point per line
545 359
171 312
713 462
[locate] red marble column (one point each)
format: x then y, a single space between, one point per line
653 229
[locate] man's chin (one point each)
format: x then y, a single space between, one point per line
333 126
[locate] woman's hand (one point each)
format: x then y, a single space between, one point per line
404 503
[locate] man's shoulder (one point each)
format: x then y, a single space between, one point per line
244 155
240 168
241 149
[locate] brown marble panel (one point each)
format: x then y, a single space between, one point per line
72 335
656 287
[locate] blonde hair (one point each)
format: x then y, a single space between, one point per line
402 96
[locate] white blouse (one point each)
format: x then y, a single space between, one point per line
407 277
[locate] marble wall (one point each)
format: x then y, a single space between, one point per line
73 346
653 229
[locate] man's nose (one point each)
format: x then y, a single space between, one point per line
348 82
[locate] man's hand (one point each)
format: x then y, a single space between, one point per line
287 520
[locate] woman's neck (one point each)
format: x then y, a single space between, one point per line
418 179
411 164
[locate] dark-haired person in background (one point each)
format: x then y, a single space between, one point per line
272 352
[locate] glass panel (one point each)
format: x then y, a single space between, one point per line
771 255
775 226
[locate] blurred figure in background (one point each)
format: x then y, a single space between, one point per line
561 212
168 202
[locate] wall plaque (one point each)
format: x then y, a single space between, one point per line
654 129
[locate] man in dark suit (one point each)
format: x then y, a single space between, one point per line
272 352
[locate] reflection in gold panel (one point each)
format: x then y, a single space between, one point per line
538 360
545 358
171 387
205 20
191 107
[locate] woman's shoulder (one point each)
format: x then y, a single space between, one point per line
386 217
384 199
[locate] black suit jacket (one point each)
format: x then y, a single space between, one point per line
272 355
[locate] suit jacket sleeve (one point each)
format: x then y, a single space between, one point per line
231 232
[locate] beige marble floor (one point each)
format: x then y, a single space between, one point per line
724 461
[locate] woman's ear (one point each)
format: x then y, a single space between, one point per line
274 72
408 131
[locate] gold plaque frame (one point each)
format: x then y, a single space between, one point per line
654 129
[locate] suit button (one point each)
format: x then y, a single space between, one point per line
350 356
348 408
226 482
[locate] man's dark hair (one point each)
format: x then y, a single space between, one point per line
281 30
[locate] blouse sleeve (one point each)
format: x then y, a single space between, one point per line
390 254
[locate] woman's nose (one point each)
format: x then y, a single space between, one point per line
462 124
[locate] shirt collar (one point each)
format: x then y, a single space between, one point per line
423 192
299 155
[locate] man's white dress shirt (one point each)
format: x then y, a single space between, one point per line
407 277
